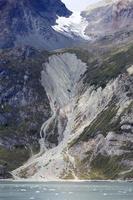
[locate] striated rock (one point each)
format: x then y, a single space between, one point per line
86 120
29 22
110 20
70 111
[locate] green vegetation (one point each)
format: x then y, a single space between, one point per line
21 122
13 158
103 124
106 167
101 70
101 73
101 167
68 176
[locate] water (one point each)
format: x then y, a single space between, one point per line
66 191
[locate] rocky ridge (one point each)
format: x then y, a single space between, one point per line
29 22
112 19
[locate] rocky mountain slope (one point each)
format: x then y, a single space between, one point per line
106 21
90 132
67 113
24 105
29 22
110 19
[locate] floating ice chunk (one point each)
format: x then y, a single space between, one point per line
52 189
23 190
37 191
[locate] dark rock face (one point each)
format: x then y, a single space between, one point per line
4 172
24 22
24 105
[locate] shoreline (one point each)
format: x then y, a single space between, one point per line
61 181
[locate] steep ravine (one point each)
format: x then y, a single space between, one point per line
66 151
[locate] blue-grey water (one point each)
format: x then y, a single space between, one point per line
66 191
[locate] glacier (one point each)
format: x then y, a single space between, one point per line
73 27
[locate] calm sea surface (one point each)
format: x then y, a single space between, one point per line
66 191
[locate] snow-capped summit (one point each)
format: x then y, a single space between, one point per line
100 19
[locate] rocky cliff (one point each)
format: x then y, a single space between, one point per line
24 105
89 135
29 22
68 113
110 20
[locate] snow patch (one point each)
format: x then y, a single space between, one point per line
73 26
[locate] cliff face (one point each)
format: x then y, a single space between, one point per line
24 105
111 19
29 22
70 111
89 135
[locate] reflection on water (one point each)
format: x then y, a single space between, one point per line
66 191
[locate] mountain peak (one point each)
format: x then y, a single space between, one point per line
109 17
30 22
